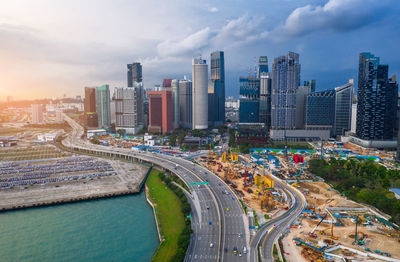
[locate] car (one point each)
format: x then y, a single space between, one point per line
244 250
239 235
211 245
235 250
240 254
208 207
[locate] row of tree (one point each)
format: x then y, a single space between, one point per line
184 238
363 181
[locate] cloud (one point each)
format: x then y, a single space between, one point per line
335 15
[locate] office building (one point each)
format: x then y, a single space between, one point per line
262 66
160 111
265 99
377 100
200 94
175 102
134 73
249 96
185 103
353 118
216 90
311 84
320 109
285 81
90 108
37 114
301 99
129 111
343 104
103 106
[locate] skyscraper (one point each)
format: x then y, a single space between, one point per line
262 65
129 109
185 103
200 93
90 108
377 100
320 109
285 81
160 111
265 99
103 106
216 90
175 102
134 73
166 82
343 104
37 113
249 96
301 105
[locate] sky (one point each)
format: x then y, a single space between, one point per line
50 48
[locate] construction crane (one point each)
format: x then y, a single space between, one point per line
312 234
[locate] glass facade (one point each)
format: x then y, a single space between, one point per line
249 96
103 106
343 104
321 108
265 99
377 100
216 90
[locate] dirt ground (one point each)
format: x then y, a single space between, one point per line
319 197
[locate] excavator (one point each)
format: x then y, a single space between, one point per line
312 234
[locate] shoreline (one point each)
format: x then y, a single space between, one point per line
154 213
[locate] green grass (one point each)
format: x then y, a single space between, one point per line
169 216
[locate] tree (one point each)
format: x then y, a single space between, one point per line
172 140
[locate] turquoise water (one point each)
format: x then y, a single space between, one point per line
115 229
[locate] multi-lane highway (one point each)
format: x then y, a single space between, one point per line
218 221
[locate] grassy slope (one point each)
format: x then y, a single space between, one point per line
169 215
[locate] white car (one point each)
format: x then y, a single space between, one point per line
244 250
211 245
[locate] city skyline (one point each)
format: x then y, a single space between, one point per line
63 51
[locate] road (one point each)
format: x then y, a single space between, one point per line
270 231
223 223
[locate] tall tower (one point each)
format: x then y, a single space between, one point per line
103 106
185 103
200 93
175 102
90 107
265 99
134 73
262 65
377 100
343 105
216 90
285 81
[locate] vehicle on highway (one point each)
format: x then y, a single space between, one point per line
208 207
227 209
235 250
244 250
240 254
209 223
211 245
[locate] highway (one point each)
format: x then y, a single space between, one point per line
270 231
217 216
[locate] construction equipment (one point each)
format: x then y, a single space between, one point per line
312 234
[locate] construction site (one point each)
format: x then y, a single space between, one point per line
333 227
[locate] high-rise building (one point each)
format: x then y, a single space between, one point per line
311 84
343 104
103 106
265 99
37 113
160 111
166 82
175 102
200 93
249 96
377 100
320 109
301 99
134 73
90 108
185 103
216 90
129 111
353 118
262 65
285 81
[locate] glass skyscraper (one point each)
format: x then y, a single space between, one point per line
377 100
343 104
216 90
134 73
320 108
103 106
249 97
262 65
285 81
265 99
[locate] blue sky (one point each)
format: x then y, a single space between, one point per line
50 48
